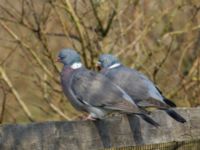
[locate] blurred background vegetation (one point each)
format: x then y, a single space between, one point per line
160 38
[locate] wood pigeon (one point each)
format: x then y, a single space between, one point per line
92 92
137 85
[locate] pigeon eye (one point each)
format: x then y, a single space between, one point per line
62 57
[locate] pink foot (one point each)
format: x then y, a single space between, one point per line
89 117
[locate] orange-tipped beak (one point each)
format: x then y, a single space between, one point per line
98 66
57 59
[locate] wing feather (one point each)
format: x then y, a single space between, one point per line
137 85
98 91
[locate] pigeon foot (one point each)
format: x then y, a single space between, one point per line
89 117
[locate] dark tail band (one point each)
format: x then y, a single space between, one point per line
169 102
175 115
149 120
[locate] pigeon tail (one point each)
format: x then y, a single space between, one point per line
169 102
175 115
149 120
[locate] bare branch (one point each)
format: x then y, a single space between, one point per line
33 53
16 94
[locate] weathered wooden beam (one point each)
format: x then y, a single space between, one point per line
119 131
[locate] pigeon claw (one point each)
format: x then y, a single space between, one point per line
89 117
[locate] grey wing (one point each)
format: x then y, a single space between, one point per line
138 86
96 90
151 88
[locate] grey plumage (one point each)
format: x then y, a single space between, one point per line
138 86
92 92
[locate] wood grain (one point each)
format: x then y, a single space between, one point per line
119 131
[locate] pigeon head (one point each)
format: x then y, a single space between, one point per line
108 61
69 57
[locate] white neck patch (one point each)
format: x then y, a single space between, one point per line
114 66
76 65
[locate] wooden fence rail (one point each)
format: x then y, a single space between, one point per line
119 131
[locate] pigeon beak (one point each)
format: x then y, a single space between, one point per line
98 66
58 59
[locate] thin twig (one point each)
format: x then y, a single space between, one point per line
79 28
16 94
33 53
3 105
46 98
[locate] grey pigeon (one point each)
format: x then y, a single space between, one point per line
92 92
137 86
